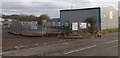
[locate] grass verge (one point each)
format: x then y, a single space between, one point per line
106 31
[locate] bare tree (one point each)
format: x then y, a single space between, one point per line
27 17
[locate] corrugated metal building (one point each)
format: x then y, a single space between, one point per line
107 17
79 16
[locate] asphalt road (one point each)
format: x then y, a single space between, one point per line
10 41
54 46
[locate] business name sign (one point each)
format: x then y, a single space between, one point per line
66 23
75 26
83 25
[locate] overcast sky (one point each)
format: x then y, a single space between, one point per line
50 7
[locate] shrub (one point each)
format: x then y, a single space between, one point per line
105 31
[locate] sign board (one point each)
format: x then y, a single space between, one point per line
66 23
75 26
89 25
34 24
83 25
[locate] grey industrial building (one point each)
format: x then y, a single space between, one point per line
107 17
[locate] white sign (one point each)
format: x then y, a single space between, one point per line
34 24
75 26
83 25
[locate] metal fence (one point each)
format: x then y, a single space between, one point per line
28 27
42 28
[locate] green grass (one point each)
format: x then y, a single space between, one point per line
105 31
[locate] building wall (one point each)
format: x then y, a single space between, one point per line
109 20
80 15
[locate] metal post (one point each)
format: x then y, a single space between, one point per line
78 27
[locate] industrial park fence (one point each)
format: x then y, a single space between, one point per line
32 27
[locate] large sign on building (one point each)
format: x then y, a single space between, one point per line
83 25
75 26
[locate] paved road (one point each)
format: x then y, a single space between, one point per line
11 41
106 46
106 49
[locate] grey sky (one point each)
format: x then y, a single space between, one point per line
50 7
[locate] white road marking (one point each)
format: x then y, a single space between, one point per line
69 52
111 41
77 50
94 46
80 49
101 50
88 47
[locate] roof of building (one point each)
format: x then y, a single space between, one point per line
55 18
80 9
